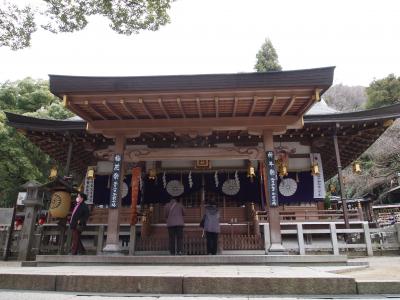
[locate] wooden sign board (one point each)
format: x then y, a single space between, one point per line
202 164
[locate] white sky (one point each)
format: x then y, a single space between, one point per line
360 37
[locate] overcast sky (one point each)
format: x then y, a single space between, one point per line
360 37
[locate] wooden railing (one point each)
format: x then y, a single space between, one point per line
311 215
301 238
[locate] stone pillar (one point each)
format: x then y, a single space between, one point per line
273 212
32 204
112 243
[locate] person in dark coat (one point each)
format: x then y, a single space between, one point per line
79 217
174 213
211 227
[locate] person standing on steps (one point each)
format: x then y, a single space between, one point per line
174 213
77 224
211 227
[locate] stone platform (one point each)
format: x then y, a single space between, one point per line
237 280
193 260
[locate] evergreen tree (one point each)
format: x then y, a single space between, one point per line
20 160
383 92
267 58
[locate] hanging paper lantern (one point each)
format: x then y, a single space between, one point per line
60 204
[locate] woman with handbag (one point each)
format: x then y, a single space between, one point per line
77 224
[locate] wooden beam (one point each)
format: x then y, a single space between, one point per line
299 92
160 102
317 95
97 112
288 106
216 101
235 107
145 108
130 112
268 111
255 99
305 107
86 116
199 107
65 100
178 101
111 110
163 125
133 154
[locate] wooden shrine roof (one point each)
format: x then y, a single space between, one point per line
271 94
356 131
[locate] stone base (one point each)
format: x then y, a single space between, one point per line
112 249
276 248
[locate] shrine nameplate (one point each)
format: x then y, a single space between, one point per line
272 179
115 181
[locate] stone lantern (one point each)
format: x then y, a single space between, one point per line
32 205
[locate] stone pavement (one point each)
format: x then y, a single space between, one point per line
29 295
193 282
380 268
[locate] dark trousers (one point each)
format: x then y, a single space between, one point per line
175 234
76 243
212 242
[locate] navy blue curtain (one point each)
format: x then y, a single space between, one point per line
249 189
154 191
305 188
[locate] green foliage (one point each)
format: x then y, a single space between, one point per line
16 26
126 17
267 58
20 159
54 111
327 201
383 92
25 95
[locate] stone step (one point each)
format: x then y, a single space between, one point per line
268 260
228 280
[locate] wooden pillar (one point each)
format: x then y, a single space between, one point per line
202 196
341 184
69 156
273 211
112 243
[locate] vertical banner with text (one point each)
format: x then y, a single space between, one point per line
318 179
272 179
115 181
